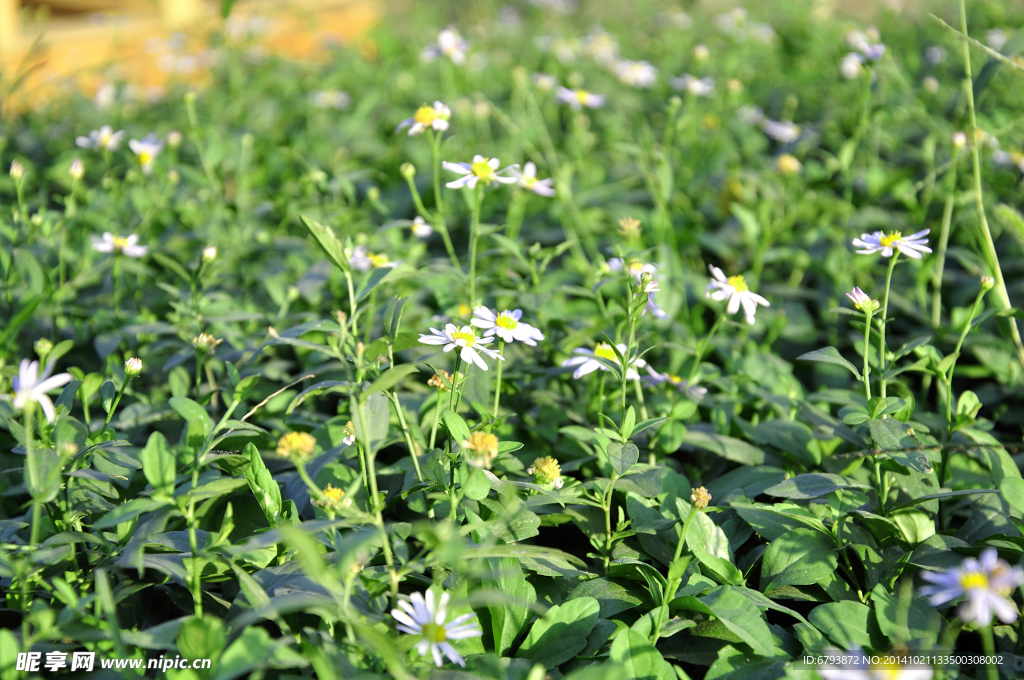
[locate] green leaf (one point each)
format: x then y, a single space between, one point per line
202 638
508 620
799 557
190 410
390 378
741 616
107 394
42 474
226 7
456 425
830 355
628 423
848 624
812 485
243 387
890 434
263 485
158 464
375 418
127 511
330 244
393 317
474 482
722 570
561 633
622 456
613 597
639 658
729 448
1012 489
794 438
915 620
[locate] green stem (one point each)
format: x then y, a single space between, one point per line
882 322
682 534
606 503
882 487
867 353
30 464
989 645
940 262
117 400
474 237
439 219
199 372
351 304
437 417
600 396
703 347
990 247
497 383
117 285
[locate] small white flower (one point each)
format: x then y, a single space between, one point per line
862 301
861 668
363 260
852 66
912 246
146 151
481 170
420 228
449 44
863 44
701 52
329 99
30 387
930 84
128 245
781 130
77 169
735 290
698 87
601 47
527 179
419 616
635 73
545 82
105 138
434 117
935 55
996 38
636 267
577 99
586 363
506 325
465 337
987 582
209 253
693 392
133 367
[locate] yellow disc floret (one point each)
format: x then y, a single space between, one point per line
605 351
546 471
891 238
974 579
505 320
467 336
483 170
296 445
481 449
738 284
435 633
425 115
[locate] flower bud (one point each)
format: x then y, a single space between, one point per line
173 177
629 228
734 86
788 164
174 139
209 253
205 343
408 170
481 449
17 171
373 194
987 282
546 472
43 347
701 52
296 445
959 140
133 368
700 497
77 169
930 84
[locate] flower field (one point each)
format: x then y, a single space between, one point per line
525 341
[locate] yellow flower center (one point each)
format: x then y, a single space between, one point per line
890 239
973 580
546 470
738 284
145 157
528 182
482 170
425 115
505 320
105 138
605 351
465 310
378 260
435 633
674 379
582 96
120 243
468 337
636 268
296 444
333 495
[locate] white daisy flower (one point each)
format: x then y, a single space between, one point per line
329 99
577 99
435 117
30 387
128 245
784 131
481 170
735 290
852 66
506 325
105 138
698 87
146 151
527 179
636 267
601 47
861 668
420 228
545 82
465 337
912 246
987 582
419 616
635 73
449 44
363 260
693 392
586 363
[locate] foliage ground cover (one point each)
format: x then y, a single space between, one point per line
716 369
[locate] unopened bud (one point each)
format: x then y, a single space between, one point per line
408 170
133 368
173 177
17 171
317 176
43 347
205 343
701 52
959 140
987 282
77 169
209 253
174 139
373 194
700 497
